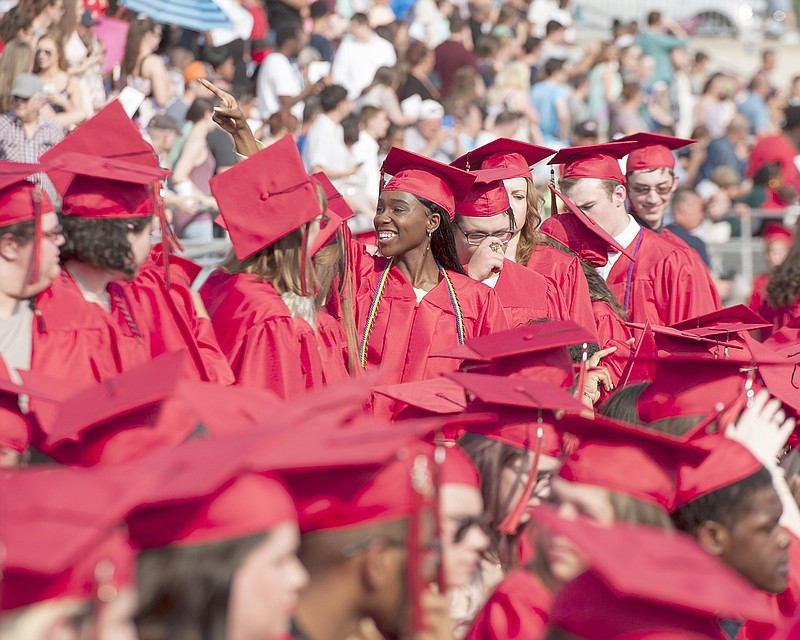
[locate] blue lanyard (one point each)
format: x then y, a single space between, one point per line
630 270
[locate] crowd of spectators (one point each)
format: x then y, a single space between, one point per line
352 78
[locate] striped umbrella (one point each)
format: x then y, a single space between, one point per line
197 15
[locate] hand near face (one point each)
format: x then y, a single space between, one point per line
487 260
436 621
596 376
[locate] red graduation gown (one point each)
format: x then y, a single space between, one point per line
15 427
266 347
405 334
759 294
661 286
528 296
779 318
79 340
518 609
700 268
566 273
169 320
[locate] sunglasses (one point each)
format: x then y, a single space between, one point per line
46 52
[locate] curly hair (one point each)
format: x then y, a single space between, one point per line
783 289
102 243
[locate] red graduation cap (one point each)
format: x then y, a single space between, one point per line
127 416
533 351
653 150
645 582
781 377
634 461
337 212
728 462
265 197
525 411
107 188
579 233
599 161
247 505
733 319
110 133
427 178
776 232
514 156
21 200
438 396
671 340
485 199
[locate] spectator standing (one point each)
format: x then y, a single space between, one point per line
17 58
555 45
360 56
452 55
419 60
659 38
374 125
713 106
626 117
382 94
319 39
687 215
680 93
62 90
729 150
755 106
605 85
550 97
141 67
25 134
283 12
780 148
279 85
511 92
324 148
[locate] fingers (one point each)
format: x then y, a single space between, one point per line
222 95
599 355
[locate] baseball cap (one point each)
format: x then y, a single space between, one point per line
27 85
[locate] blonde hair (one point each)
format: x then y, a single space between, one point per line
17 58
529 235
514 75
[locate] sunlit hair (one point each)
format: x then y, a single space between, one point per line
58 45
17 58
136 32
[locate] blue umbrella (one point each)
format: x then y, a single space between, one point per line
197 15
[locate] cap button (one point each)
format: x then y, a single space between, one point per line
264 196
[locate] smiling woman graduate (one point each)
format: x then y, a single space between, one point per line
414 299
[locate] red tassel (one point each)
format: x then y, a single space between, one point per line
169 240
510 523
37 234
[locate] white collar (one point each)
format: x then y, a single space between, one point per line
629 233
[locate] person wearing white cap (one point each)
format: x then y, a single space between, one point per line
433 135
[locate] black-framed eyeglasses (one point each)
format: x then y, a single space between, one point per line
660 189
476 237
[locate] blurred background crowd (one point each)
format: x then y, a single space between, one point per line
351 78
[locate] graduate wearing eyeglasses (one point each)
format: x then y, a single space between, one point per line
483 226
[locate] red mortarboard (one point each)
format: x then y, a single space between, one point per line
435 396
534 351
484 200
703 383
20 200
504 153
110 133
776 232
107 188
120 418
247 505
634 461
670 339
427 178
653 151
728 462
645 582
579 233
599 161
338 211
781 378
733 319
266 197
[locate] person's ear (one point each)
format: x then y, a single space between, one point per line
619 195
714 537
434 220
380 566
10 247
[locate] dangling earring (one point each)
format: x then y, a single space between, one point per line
428 248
